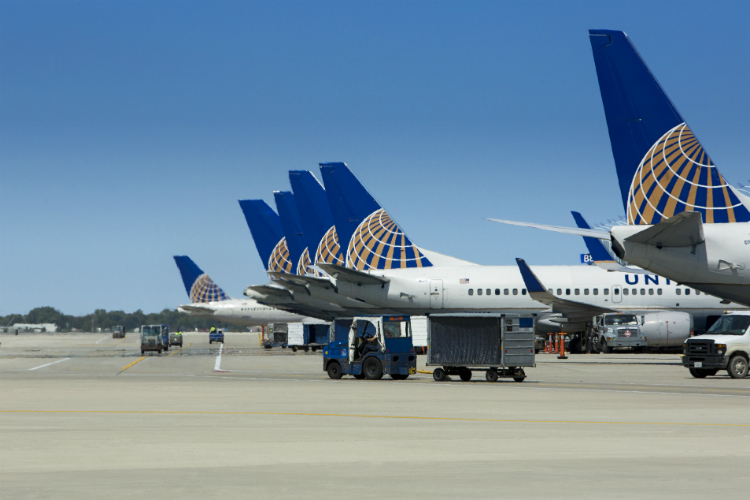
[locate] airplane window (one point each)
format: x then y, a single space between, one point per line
585 291
559 291
678 291
497 291
596 291
687 291
697 292
515 291
567 291
616 291
650 291
625 291
551 291
489 292
479 291
658 291
606 291
506 292
577 292
471 291
523 291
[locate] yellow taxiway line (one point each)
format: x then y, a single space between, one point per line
398 417
131 364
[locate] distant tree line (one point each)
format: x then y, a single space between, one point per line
107 319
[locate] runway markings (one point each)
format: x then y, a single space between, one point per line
217 366
175 352
100 340
391 417
131 364
54 362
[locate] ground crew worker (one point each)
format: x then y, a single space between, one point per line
371 344
212 330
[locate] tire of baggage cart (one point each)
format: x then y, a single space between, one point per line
491 375
334 370
465 374
438 374
372 368
738 366
519 375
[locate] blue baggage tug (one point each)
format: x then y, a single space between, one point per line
389 350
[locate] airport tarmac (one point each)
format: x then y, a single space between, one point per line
86 416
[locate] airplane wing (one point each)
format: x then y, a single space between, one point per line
196 309
574 311
352 275
586 233
682 230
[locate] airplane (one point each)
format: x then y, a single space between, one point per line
386 271
208 300
685 222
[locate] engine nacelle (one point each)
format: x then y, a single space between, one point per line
666 328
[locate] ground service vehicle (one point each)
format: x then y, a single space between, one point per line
216 336
619 330
175 338
501 345
152 338
725 346
118 332
276 335
308 336
346 353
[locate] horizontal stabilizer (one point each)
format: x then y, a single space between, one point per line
302 279
270 290
352 275
574 311
615 266
683 230
586 233
196 309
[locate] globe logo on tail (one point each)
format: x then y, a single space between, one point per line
279 260
205 290
676 175
378 243
329 250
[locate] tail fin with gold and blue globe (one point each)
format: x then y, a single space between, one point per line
268 235
292 226
316 219
199 287
372 239
662 168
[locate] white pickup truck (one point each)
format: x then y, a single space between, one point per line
725 346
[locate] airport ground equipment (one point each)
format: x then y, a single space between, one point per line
419 334
725 346
152 338
308 336
619 330
395 355
118 332
501 345
276 335
175 338
217 336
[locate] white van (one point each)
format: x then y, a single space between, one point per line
725 346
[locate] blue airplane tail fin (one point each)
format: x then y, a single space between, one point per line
315 217
199 287
292 226
371 237
268 235
661 166
596 248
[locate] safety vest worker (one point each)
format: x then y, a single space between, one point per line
213 330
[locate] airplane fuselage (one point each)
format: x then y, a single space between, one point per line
242 312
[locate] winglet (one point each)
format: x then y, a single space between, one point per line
598 252
533 284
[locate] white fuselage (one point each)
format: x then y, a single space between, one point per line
244 312
720 265
456 290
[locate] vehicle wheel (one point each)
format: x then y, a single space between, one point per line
465 374
698 373
519 375
307 349
438 374
334 370
737 367
574 347
491 375
398 376
372 368
210 341
536 351
605 348
141 353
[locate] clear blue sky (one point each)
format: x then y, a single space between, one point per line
129 130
